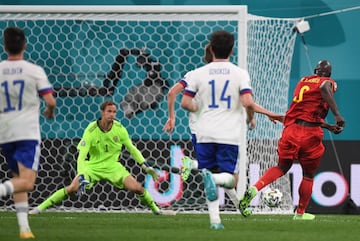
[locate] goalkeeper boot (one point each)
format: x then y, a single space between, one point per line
216 226
246 200
186 168
305 216
155 209
210 186
82 184
26 235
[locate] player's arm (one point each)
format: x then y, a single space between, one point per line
333 128
171 98
139 158
327 93
50 102
134 152
251 107
250 120
83 148
188 104
45 90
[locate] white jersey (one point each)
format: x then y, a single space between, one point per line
192 115
218 86
21 84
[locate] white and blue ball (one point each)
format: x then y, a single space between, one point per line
272 197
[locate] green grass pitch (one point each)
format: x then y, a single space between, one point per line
56 226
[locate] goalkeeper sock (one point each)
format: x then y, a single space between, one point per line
224 179
55 198
147 200
305 190
269 176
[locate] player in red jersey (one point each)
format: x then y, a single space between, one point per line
302 136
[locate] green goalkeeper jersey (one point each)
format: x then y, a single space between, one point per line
100 150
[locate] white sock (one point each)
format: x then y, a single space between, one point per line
6 188
22 209
194 164
214 211
233 196
224 179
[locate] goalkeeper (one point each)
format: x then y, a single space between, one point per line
99 151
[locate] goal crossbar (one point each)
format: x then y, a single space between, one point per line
145 9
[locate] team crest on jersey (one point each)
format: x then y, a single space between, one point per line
116 139
83 143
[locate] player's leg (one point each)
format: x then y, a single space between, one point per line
188 163
226 159
270 175
227 176
19 183
144 196
21 207
121 178
23 161
206 155
228 168
305 191
312 150
287 150
57 197
214 213
21 199
212 200
232 194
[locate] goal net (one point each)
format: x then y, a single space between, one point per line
132 55
270 46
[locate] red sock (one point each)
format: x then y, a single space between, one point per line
305 191
269 176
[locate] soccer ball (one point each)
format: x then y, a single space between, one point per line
272 197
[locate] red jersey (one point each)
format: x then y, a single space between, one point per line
307 103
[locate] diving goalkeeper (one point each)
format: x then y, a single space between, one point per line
99 151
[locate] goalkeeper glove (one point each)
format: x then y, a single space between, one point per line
82 183
150 170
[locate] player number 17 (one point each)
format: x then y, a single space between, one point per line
16 84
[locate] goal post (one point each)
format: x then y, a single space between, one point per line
132 55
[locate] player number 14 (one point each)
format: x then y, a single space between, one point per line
223 96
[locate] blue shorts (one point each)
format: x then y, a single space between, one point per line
221 156
25 152
193 141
